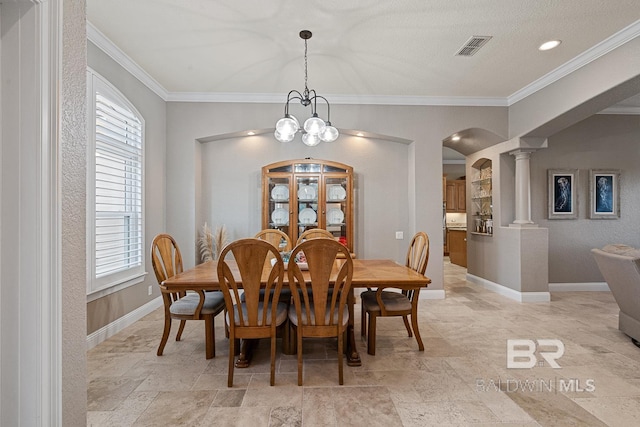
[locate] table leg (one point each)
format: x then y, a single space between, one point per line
353 357
246 352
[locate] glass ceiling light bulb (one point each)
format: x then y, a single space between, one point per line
329 134
314 125
288 125
310 139
284 138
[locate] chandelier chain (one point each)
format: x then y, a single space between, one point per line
306 77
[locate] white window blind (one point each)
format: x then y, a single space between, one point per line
115 189
118 188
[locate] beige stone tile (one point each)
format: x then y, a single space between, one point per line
614 411
273 396
176 408
285 416
431 414
379 409
549 408
105 394
318 409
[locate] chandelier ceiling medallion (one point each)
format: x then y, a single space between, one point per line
314 129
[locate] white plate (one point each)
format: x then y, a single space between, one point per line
307 216
280 216
335 216
280 192
337 192
307 192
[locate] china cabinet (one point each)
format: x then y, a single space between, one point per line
298 195
482 198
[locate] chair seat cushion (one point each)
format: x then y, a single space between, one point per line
186 306
293 316
393 301
281 314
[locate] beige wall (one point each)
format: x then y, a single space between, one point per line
73 177
107 309
599 142
411 175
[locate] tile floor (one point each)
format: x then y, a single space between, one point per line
460 379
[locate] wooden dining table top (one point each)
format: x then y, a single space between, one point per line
366 273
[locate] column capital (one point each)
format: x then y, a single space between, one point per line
522 153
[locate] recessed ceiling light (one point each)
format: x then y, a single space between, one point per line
549 45
251 133
359 134
455 138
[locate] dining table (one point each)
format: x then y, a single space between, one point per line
367 273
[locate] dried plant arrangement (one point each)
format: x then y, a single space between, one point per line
220 240
206 243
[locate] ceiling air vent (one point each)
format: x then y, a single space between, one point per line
473 45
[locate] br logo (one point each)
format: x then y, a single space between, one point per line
521 353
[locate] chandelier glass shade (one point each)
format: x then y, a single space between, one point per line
315 129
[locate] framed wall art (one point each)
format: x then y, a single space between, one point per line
604 194
563 193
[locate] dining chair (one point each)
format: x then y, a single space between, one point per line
198 305
317 312
383 303
276 237
282 243
314 233
260 313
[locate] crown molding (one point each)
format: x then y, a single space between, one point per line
270 98
106 45
629 111
618 39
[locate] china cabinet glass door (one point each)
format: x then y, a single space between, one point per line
336 214
307 200
279 211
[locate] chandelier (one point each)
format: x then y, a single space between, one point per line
314 129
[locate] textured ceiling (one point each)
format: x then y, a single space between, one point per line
359 48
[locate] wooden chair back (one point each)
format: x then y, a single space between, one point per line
315 297
314 233
166 260
165 257
417 257
418 253
275 237
251 256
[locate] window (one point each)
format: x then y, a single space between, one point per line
115 190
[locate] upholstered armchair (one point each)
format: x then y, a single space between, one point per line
620 267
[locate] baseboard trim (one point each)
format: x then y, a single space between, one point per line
508 292
579 287
119 324
432 294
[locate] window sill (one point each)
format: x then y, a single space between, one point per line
115 287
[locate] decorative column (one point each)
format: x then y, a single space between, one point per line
523 188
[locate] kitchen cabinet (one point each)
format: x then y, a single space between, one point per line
456 196
457 242
298 195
